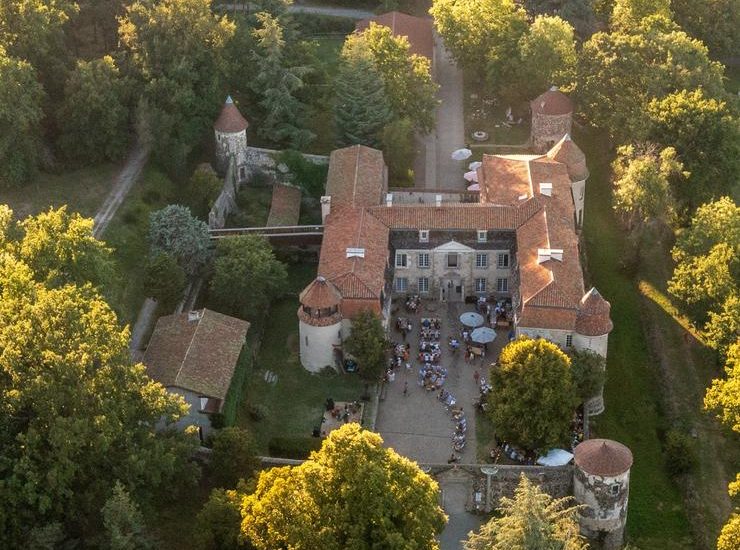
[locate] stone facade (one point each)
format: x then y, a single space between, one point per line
232 144
226 201
604 515
547 130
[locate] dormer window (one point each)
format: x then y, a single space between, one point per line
424 236
482 236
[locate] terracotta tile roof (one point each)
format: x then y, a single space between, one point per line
357 177
230 120
594 315
552 102
447 216
418 30
285 208
319 321
196 351
354 228
603 457
547 318
504 178
320 293
567 152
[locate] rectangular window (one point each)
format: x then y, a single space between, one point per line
402 284
481 260
401 259
503 259
424 236
452 259
568 340
423 259
480 285
423 284
502 284
482 236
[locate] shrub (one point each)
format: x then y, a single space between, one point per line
680 452
307 175
311 23
257 412
234 456
164 280
293 447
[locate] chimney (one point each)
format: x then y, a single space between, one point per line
438 200
389 199
325 207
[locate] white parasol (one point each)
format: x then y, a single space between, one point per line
462 154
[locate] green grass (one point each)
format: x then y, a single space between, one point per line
633 416
481 114
84 190
254 206
295 402
127 235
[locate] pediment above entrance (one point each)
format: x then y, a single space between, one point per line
453 246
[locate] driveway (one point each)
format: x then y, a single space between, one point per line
450 133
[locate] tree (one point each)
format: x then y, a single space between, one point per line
707 256
532 394
246 276
20 118
367 344
94 115
729 538
164 280
175 231
277 83
532 520
75 414
353 493
589 372
547 55
123 521
642 183
361 107
628 14
60 248
619 73
714 22
398 151
234 456
479 32
406 76
178 50
706 135
723 327
218 522
204 187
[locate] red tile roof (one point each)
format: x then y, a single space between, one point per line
603 457
552 102
567 152
230 120
594 315
320 293
417 30
196 351
447 216
357 176
285 208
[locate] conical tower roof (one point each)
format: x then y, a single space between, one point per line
593 317
603 457
552 102
230 121
320 294
567 152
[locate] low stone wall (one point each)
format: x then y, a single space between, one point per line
259 159
402 195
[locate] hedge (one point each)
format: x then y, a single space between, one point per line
297 447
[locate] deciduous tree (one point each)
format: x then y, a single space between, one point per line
246 276
367 344
218 522
589 372
532 394
175 231
353 493
397 141
531 520
94 116
165 280
714 22
234 456
628 14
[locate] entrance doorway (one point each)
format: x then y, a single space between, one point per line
451 290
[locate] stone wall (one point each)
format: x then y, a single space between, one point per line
548 129
226 201
263 160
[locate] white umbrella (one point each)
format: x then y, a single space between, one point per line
483 335
474 187
555 457
462 154
475 165
471 176
471 319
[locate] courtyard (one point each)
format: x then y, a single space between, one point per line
416 423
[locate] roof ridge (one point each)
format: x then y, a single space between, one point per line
190 345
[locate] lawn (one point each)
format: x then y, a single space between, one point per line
484 113
127 234
84 190
634 410
253 201
294 403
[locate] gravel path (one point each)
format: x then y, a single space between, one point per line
124 181
450 132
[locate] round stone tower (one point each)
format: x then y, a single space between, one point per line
552 117
593 325
601 483
320 324
568 153
231 139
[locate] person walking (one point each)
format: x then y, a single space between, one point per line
405 389
476 376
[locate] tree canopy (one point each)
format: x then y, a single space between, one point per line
532 395
627 15
589 372
714 22
175 231
234 456
246 276
353 493
367 345
532 520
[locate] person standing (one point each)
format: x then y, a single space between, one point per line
405 389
